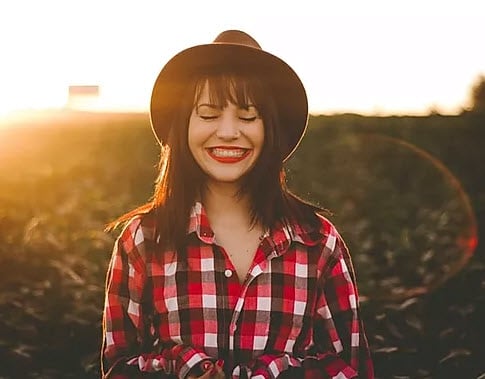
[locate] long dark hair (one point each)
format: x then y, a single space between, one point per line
180 179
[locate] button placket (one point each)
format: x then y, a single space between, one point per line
233 328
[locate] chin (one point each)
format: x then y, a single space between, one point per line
225 180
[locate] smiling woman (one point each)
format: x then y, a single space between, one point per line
225 273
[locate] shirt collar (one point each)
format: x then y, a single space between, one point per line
199 224
280 237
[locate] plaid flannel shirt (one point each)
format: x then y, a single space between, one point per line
296 312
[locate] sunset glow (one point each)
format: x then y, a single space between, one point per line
372 58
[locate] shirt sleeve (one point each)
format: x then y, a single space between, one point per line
341 349
128 350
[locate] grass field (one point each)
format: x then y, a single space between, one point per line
407 193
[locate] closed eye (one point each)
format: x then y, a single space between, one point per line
249 113
203 117
208 112
248 119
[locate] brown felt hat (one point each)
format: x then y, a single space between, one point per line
232 48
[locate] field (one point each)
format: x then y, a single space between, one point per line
407 194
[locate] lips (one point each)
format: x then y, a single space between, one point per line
228 154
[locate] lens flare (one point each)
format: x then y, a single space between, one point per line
406 218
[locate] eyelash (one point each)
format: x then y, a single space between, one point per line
246 119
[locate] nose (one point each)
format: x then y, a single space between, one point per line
228 128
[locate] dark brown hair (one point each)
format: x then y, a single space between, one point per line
180 178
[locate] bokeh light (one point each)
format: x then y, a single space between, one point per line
405 217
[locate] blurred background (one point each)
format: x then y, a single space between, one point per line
394 150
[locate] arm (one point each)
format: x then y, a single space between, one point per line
128 350
341 349
340 339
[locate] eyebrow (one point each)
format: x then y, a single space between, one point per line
212 107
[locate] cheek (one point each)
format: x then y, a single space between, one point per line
259 136
190 139
193 137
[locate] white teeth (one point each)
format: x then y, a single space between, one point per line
228 153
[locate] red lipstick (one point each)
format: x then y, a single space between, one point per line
224 154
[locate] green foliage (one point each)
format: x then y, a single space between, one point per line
398 209
65 176
61 184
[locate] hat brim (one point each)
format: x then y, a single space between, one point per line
285 85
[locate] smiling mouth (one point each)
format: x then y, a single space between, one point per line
228 155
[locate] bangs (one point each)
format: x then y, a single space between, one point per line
242 91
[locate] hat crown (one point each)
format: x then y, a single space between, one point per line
237 37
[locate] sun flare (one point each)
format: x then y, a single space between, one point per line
362 59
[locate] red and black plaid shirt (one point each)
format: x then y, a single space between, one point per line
296 312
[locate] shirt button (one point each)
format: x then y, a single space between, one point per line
228 273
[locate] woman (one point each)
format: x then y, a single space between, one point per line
225 273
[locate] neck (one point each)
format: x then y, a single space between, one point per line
224 206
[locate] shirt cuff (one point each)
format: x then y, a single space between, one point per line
178 360
269 366
187 359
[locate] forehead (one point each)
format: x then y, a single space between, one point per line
223 89
202 93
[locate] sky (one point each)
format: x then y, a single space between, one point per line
363 56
